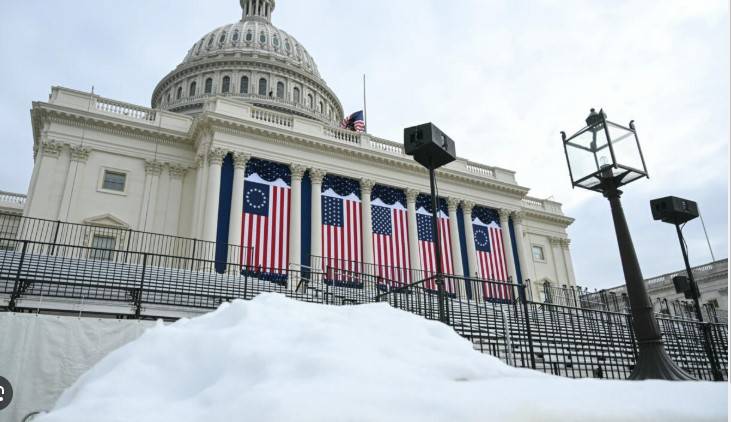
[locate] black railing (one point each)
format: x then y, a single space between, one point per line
497 317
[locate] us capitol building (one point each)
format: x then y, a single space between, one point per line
248 101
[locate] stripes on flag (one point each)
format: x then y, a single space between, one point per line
427 252
341 229
354 122
265 225
390 237
490 254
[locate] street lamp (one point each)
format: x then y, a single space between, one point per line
602 157
678 211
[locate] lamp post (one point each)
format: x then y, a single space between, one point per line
602 157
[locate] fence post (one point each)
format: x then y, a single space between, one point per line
55 237
192 256
524 300
17 287
129 240
138 310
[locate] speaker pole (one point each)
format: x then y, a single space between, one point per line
437 246
707 337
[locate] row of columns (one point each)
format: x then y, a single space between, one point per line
210 220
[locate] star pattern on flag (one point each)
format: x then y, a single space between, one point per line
424 226
482 239
268 170
486 215
256 198
382 220
332 211
341 185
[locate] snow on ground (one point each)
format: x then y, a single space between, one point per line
275 359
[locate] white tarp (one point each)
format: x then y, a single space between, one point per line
43 355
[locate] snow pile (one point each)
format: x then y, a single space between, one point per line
274 359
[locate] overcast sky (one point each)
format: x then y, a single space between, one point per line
501 77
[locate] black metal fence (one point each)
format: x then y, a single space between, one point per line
569 335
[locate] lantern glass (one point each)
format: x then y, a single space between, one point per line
604 150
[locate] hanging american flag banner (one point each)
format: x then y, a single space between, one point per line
341 228
390 236
265 226
490 253
427 253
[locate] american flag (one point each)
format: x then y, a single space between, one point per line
354 122
341 228
427 253
490 253
265 228
390 235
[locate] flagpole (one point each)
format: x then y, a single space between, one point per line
365 105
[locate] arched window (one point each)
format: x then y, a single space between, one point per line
280 90
310 101
275 41
210 42
235 36
249 36
262 86
296 95
287 46
262 37
191 91
322 107
244 88
168 99
226 86
209 86
179 94
222 39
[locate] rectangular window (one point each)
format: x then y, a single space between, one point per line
538 254
114 180
102 247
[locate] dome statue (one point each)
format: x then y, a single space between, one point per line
251 61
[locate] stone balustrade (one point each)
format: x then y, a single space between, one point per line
699 272
127 110
10 200
542 205
272 117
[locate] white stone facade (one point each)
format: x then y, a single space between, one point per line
172 161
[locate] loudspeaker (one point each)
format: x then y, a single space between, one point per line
430 146
674 210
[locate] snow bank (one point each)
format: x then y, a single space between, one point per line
274 359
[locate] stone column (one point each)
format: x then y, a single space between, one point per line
568 263
153 169
295 216
508 243
175 193
452 205
520 246
366 187
196 231
473 269
215 162
74 179
316 176
237 207
557 255
44 181
411 195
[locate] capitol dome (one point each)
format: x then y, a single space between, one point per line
252 61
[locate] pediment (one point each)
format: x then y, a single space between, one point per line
107 220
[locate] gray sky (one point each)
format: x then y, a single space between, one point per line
502 77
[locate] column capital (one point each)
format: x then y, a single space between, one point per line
366 185
411 195
468 206
153 167
216 156
453 204
200 160
240 159
177 171
80 154
518 217
297 171
504 214
556 241
51 149
317 175
565 243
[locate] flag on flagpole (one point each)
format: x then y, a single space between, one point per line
354 122
390 236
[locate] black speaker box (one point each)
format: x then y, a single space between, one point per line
674 210
430 146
